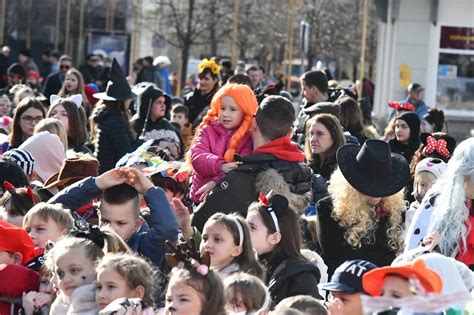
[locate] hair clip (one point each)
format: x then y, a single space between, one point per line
76 99
93 233
187 255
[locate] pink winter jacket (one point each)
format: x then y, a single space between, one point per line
207 155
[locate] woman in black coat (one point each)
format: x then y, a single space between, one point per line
362 217
199 99
276 237
111 131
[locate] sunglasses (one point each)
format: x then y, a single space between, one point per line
64 67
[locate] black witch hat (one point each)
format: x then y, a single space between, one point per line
118 88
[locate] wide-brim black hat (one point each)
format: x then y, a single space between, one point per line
372 168
118 88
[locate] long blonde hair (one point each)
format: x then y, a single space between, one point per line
359 218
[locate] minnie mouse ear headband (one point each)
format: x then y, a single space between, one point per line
401 106
27 190
438 144
276 206
188 256
76 99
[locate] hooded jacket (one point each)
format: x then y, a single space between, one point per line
277 166
408 150
167 137
113 139
293 277
207 155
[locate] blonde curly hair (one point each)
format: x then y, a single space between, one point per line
359 218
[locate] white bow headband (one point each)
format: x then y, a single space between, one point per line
76 99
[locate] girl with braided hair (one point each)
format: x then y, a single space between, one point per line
224 132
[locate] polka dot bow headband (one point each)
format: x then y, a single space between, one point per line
439 146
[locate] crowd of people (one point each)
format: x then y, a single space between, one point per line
231 198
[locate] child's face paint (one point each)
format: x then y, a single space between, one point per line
111 286
218 241
73 270
182 299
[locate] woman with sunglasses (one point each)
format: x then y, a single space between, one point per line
29 112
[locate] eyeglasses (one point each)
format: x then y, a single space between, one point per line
64 67
29 120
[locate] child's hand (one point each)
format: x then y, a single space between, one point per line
205 189
183 217
33 300
138 180
227 167
431 240
335 307
111 178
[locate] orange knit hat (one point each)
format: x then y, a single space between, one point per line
246 100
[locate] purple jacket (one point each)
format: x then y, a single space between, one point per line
207 155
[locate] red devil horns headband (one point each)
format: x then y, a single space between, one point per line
27 190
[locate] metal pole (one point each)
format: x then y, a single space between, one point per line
235 25
28 25
2 22
291 12
68 22
112 14
362 50
58 18
80 49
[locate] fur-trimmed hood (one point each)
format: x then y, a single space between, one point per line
271 179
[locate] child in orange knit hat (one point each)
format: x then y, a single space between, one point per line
224 132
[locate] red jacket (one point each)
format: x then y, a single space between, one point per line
16 279
207 155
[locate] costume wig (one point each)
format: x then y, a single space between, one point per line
245 100
359 218
450 212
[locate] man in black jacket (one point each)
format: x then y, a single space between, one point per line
317 98
54 82
276 164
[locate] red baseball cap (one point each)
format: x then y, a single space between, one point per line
16 240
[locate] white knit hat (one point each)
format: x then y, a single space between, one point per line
435 166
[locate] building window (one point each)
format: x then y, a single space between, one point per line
455 88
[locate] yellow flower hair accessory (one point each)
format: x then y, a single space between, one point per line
211 64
